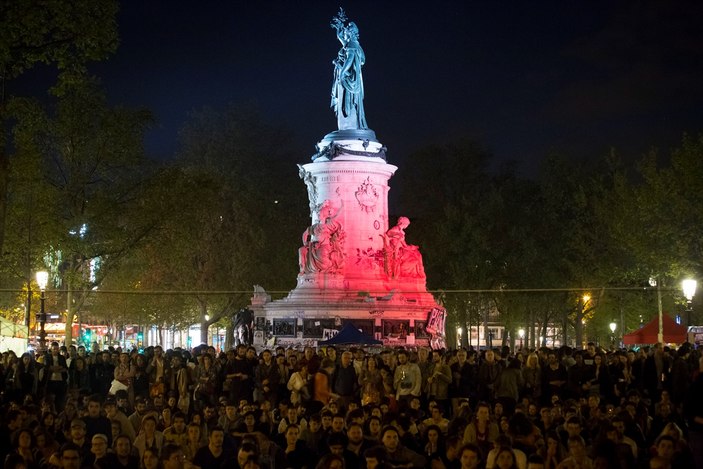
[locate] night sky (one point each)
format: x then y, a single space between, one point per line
523 77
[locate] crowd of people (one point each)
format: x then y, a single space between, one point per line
352 409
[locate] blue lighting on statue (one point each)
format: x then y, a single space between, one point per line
348 84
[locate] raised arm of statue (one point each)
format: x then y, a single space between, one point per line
348 85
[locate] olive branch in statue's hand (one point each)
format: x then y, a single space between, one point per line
339 20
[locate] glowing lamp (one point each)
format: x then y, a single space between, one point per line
689 288
43 279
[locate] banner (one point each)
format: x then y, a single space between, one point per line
435 321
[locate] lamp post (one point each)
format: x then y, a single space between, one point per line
689 290
42 281
521 334
613 326
660 331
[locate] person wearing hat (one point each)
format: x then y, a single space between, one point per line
99 449
77 436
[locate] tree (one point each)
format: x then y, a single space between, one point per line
65 34
94 175
243 211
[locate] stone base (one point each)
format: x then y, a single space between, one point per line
310 315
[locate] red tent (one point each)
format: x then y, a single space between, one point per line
647 334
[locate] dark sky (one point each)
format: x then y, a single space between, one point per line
522 77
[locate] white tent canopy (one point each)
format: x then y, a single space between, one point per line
13 336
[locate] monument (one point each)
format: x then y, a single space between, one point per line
354 266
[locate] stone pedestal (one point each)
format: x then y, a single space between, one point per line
349 277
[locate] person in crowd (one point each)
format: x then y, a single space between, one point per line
207 380
26 375
470 456
56 375
438 381
24 447
172 457
141 410
296 455
299 384
149 436
481 431
578 457
488 372
266 379
398 454
553 452
69 456
508 386
150 459
114 414
606 400
46 443
464 378
344 381
95 421
407 379
125 458
214 454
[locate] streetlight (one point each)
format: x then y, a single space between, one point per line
521 334
689 290
459 330
660 332
613 326
42 281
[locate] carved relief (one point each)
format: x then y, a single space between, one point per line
367 196
310 182
369 258
323 243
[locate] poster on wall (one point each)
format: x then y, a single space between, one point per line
314 328
366 326
421 330
396 328
284 327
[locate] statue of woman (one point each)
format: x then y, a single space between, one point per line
401 259
322 249
348 85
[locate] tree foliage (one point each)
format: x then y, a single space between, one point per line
88 176
232 217
59 33
582 226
